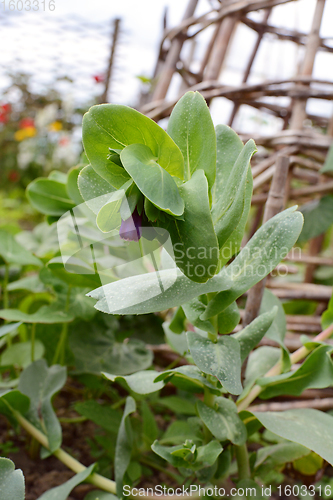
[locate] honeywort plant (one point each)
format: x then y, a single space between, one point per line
190 185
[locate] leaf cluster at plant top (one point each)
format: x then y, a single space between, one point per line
193 183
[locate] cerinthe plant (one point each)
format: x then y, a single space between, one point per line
192 183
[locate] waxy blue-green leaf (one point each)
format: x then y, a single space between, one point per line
193 311
197 458
98 351
46 314
187 377
152 292
228 209
191 127
269 245
152 179
108 218
228 147
318 218
194 240
94 189
124 446
228 319
310 428
269 457
11 481
19 354
316 372
251 335
278 328
115 126
234 242
13 253
72 184
260 361
142 382
220 359
49 197
223 421
40 383
62 492
4 329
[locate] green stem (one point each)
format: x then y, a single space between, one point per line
243 464
73 464
33 337
118 404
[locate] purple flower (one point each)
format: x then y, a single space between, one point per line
130 228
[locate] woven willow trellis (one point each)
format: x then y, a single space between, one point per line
292 157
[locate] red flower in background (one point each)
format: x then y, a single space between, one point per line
99 78
13 176
5 110
26 123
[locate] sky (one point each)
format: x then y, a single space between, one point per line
74 40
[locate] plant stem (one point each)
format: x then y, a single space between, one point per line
243 464
33 337
298 355
73 464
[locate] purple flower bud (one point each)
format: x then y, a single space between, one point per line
130 228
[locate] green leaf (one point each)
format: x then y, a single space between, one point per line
308 465
327 316
153 292
191 127
13 253
153 181
311 428
13 399
228 319
178 405
141 382
4 329
258 258
318 218
227 211
220 359
234 242
103 415
188 378
228 146
29 283
269 457
124 445
278 328
180 430
40 383
98 351
223 421
72 186
328 165
260 361
149 425
11 481
193 310
62 492
46 314
194 240
251 335
75 272
115 126
177 341
205 457
95 190
19 355
49 197
316 372
108 218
